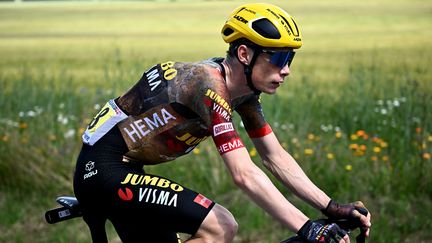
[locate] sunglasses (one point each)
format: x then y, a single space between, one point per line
280 58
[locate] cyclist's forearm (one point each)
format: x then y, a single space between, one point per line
286 169
262 191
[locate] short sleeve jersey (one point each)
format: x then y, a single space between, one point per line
175 106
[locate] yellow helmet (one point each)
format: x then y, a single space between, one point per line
264 24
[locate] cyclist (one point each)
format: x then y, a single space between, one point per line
172 108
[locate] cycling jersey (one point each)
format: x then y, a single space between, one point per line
166 114
175 106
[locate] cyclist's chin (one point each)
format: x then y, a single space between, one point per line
270 90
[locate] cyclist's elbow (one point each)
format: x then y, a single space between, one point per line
245 179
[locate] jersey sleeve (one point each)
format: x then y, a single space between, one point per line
222 128
212 104
252 117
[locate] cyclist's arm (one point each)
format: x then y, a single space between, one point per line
286 169
252 180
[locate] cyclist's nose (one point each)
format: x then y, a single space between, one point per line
285 71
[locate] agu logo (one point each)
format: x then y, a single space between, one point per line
125 194
89 167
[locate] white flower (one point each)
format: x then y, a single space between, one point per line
62 119
38 110
31 113
70 133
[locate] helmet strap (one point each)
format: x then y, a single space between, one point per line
248 70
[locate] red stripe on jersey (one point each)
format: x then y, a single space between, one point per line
260 132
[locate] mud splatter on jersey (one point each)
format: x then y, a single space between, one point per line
175 106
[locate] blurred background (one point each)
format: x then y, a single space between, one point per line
355 111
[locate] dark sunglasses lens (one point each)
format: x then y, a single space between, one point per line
282 58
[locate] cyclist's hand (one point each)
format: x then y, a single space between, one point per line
355 213
313 232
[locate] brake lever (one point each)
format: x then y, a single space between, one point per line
361 238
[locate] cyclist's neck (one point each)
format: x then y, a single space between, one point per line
235 78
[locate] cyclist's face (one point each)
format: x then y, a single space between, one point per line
267 76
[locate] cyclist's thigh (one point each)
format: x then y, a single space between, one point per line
130 233
149 203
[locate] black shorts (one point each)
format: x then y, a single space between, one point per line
140 206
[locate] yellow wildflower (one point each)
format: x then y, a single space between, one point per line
374 158
353 146
383 144
429 138
5 138
377 150
353 137
308 151
330 156
311 137
385 158
196 151
363 147
338 134
348 167
253 152
426 155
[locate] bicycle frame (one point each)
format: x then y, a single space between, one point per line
71 209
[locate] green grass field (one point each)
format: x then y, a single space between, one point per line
355 112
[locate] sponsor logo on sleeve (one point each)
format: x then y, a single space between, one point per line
222 128
230 146
219 100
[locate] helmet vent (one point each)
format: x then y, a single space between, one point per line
228 31
296 31
266 29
